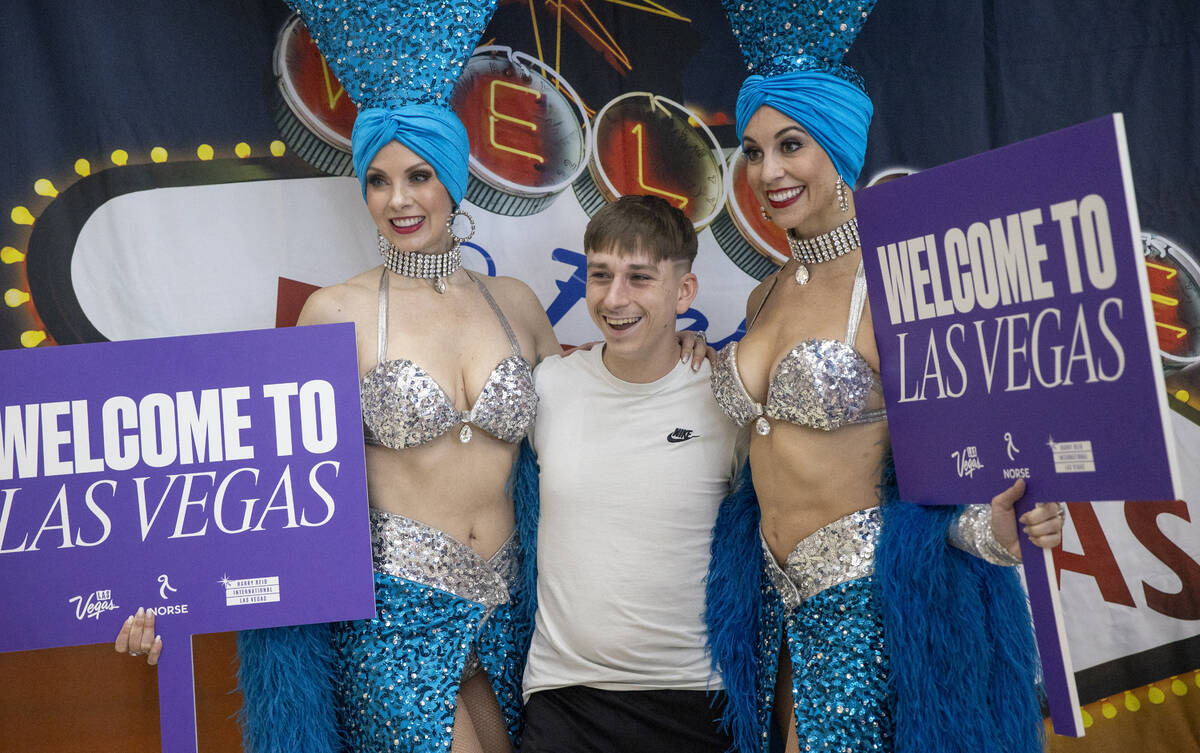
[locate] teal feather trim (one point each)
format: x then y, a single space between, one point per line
525 486
959 638
733 604
286 678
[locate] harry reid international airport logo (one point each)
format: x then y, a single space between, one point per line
250 590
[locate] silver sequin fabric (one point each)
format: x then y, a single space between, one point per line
822 384
973 534
839 552
402 406
409 549
388 53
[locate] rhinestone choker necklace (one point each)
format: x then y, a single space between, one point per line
420 265
841 240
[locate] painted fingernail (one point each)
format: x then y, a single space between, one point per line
158 639
129 619
140 611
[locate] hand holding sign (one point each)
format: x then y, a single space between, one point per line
137 637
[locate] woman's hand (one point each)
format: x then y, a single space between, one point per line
1043 524
694 347
137 637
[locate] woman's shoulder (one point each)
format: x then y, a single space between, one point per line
514 296
342 302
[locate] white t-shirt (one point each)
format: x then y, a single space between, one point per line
631 479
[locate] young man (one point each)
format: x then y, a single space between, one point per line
635 458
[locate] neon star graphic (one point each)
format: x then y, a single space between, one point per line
579 15
225 581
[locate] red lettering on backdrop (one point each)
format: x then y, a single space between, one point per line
1096 559
1142 518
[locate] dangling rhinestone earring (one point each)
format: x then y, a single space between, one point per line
763 211
843 203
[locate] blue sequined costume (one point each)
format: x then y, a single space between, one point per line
442 613
389 683
898 641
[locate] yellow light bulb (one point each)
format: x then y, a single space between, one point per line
1131 701
1183 396
32 338
120 157
242 150
21 216
43 187
14 297
277 148
1178 687
204 152
1155 695
10 255
83 168
158 154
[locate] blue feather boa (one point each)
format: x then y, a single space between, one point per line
959 637
286 678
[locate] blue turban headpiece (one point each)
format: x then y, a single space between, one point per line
399 61
434 133
794 49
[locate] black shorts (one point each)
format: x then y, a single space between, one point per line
579 719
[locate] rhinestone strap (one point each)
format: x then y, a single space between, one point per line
418 264
841 240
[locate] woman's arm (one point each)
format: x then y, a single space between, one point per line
990 531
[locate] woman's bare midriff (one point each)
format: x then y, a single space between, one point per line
807 478
459 488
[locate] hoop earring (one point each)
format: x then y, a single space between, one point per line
450 226
763 211
843 202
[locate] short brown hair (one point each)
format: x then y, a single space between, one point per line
641 223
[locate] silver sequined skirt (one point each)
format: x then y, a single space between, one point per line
410 549
841 551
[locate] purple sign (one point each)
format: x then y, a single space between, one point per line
1016 340
216 479
1011 309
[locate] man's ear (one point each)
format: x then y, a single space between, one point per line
689 286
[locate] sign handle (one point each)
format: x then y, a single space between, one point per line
177 698
1058 675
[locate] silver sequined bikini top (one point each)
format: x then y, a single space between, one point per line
822 384
403 406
